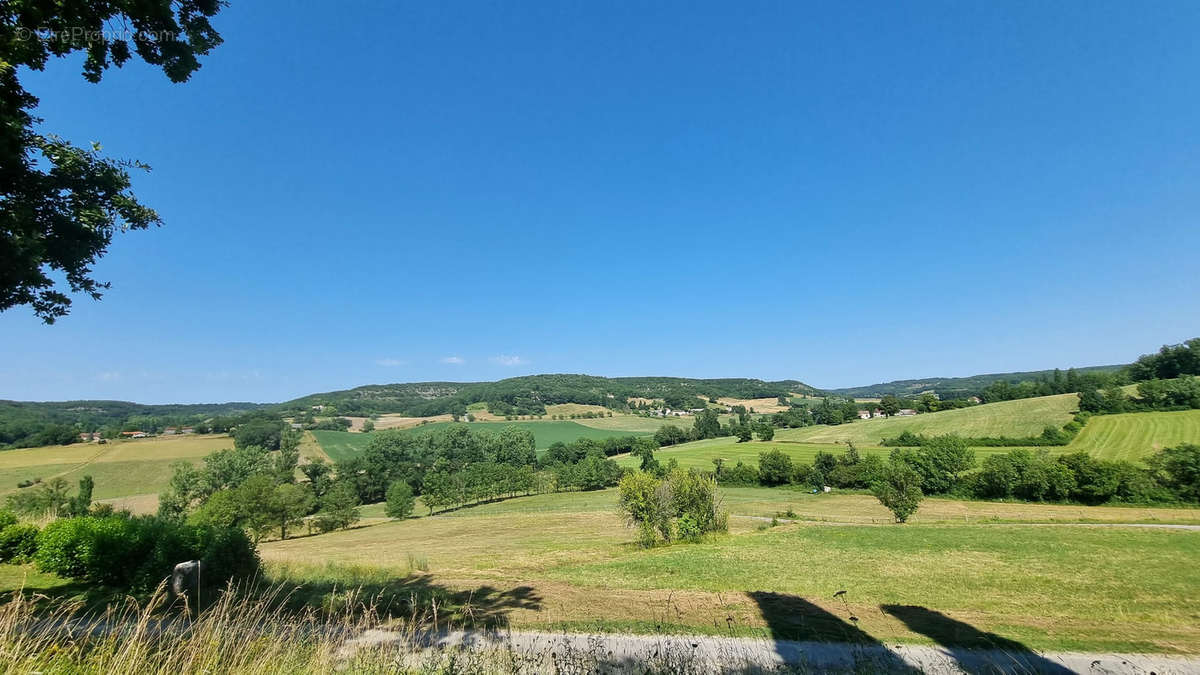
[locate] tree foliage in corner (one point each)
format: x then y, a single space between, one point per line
61 204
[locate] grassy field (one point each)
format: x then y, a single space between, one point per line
340 445
120 468
1132 436
1049 586
1025 417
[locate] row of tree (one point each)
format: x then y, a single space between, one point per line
945 465
1182 393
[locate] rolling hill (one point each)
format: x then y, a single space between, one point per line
434 398
955 387
1132 436
1023 417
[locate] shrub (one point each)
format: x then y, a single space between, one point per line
645 504
694 496
18 543
400 500
1178 469
684 505
774 467
809 475
766 432
687 529
899 490
740 474
138 553
860 474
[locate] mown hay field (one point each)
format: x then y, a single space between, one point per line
119 468
1050 585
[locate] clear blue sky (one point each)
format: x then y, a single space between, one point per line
838 193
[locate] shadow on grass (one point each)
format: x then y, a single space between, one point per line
975 651
792 619
415 597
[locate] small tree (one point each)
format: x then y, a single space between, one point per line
766 432
289 505
774 467
644 448
400 500
318 474
744 433
368 426
899 490
645 506
890 405
339 507
81 502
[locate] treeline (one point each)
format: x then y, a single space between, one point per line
956 387
1182 393
28 425
1169 362
1099 389
459 465
530 395
945 465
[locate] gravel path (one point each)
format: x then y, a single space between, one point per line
617 653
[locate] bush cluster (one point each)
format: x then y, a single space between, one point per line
18 541
139 552
850 470
684 506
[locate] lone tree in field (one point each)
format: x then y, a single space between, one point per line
890 405
61 204
899 489
400 500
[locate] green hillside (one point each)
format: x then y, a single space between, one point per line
1132 436
955 387
1129 436
1023 417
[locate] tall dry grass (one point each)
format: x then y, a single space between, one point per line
263 632
242 633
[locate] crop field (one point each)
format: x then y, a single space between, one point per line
1024 417
573 563
1132 436
760 405
120 468
340 445
575 409
392 421
636 424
